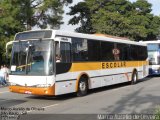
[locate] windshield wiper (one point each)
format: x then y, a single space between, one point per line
29 51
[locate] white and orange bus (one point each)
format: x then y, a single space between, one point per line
84 62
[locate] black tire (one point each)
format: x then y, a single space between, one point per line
82 87
134 78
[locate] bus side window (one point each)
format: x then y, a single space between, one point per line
79 50
106 50
124 51
65 52
57 49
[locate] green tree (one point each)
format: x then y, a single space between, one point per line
40 13
84 18
144 25
20 15
9 25
118 17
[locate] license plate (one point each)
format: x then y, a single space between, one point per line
28 92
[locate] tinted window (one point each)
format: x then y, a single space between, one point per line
79 49
93 50
133 52
138 52
65 52
142 53
123 51
106 51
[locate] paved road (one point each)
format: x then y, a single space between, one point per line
142 98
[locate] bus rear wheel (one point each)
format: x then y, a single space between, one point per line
82 87
134 78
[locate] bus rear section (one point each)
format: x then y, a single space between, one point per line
153 56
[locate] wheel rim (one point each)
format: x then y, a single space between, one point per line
82 86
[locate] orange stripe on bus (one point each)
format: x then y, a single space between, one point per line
33 90
86 66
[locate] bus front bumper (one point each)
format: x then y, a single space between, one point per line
33 90
154 71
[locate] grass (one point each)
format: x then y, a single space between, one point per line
157 114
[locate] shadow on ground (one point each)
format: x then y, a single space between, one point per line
9 103
136 103
97 90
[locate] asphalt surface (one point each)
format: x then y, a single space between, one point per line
123 99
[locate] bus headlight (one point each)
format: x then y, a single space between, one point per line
44 85
12 84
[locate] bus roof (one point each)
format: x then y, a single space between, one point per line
111 36
88 36
97 37
152 41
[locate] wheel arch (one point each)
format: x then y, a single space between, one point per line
85 75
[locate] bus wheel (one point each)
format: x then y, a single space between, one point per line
82 87
134 78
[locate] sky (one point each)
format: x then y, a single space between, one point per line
66 18
66 27
155 6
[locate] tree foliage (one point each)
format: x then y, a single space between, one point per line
84 18
116 17
19 15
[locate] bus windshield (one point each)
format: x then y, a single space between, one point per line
32 58
154 54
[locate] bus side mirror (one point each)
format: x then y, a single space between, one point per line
7 55
7 49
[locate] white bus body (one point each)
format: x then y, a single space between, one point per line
87 62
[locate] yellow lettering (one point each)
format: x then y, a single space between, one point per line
124 64
103 65
107 65
113 65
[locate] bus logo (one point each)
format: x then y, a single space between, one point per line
116 51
